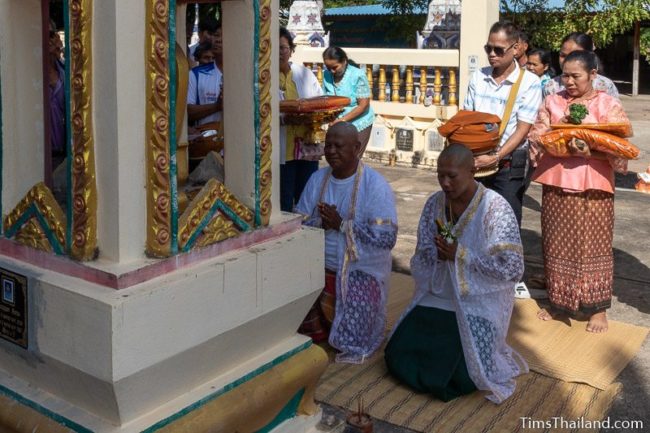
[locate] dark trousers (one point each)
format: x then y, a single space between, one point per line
293 178
510 180
364 138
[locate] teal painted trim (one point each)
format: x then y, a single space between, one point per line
44 411
173 182
218 205
288 411
54 242
33 212
240 223
280 359
68 126
256 110
11 230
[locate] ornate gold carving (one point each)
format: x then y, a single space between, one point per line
159 200
219 229
265 111
24 223
192 224
33 235
84 189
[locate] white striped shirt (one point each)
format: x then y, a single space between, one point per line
484 94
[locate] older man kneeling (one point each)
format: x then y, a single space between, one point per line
452 338
355 206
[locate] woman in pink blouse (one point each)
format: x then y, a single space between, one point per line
578 200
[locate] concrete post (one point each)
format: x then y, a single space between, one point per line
476 18
119 107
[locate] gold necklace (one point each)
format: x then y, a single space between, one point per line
451 214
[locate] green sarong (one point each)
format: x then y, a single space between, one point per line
426 353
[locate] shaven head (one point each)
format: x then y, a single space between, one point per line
458 154
456 171
342 149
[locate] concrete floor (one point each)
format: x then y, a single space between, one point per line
631 303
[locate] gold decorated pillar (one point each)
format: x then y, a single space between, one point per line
423 84
437 86
394 94
453 87
382 83
409 85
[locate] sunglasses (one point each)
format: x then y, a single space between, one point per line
498 51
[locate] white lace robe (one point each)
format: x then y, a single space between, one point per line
364 260
489 262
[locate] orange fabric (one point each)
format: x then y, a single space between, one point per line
317 103
618 129
576 173
473 129
555 142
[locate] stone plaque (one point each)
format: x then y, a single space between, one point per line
13 307
472 64
404 139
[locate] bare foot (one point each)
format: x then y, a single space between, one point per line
544 315
598 323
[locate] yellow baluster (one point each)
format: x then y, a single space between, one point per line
452 87
395 87
382 83
409 85
319 73
369 76
423 84
437 87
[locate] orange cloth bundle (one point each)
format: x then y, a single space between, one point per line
310 105
619 129
555 142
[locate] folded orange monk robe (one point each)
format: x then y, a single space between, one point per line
555 142
310 105
619 129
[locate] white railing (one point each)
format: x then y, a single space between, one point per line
404 82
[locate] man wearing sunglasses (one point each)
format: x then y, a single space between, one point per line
488 92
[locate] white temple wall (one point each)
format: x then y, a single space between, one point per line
476 18
122 353
22 98
119 116
239 129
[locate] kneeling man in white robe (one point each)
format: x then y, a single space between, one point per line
452 338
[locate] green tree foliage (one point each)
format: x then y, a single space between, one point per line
602 19
405 7
285 4
645 44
